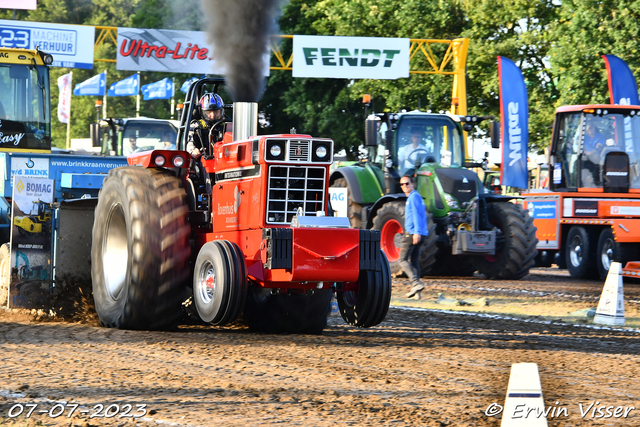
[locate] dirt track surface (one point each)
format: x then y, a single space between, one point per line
418 368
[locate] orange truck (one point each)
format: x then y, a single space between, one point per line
589 214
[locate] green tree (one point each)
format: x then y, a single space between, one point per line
518 30
586 30
332 107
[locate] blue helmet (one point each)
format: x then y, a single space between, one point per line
211 101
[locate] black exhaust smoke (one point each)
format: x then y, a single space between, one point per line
239 31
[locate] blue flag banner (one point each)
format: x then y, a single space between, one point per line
127 87
93 87
185 86
622 85
162 89
514 129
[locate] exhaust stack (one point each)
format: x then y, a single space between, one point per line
245 120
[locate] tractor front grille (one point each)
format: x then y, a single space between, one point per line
293 187
299 150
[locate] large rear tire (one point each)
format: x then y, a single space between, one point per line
368 305
219 282
5 273
291 312
140 249
390 221
354 210
516 246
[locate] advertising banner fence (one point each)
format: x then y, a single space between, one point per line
30 242
623 88
70 45
514 119
350 57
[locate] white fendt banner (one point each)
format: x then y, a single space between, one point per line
350 57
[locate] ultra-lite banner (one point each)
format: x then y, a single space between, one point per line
622 85
350 57
70 45
170 51
514 128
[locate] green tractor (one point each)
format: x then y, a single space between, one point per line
469 229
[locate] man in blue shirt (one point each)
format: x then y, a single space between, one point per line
415 233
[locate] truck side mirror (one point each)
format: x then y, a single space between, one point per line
94 130
494 134
371 132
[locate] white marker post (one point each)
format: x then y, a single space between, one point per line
524 405
611 306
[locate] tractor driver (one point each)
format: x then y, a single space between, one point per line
594 142
208 130
415 152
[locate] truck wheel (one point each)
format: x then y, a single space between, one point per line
5 273
609 251
219 282
293 313
140 249
516 245
368 306
580 253
390 221
606 252
354 210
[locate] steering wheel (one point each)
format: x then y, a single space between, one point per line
606 150
416 152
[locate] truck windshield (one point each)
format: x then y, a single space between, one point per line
587 138
25 122
428 139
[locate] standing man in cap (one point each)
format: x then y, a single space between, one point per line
415 233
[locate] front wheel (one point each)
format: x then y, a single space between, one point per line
140 249
219 282
516 244
368 305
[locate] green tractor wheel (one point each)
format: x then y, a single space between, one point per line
354 210
390 221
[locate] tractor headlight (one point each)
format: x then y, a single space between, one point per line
321 152
275 150
451 201
159 161
178 161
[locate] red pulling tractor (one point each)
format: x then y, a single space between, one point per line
245 231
